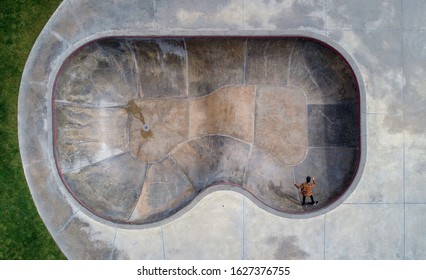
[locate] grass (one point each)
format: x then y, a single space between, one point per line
22 232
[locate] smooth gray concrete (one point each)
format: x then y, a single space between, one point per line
149 244
383 218
213 229
415 225
364 14
415 162
361 231
383 176
267 236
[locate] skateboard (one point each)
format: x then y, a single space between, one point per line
310 204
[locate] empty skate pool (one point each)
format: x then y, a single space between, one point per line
144 126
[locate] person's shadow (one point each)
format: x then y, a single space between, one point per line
278 190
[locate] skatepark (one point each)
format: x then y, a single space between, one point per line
174 130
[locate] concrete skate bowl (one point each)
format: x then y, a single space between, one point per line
145 127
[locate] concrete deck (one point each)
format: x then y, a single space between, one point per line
380 216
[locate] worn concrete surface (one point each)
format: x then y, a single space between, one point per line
168 122
206 61
88 135
360 232
213 228
281 239
165 190
281 123
105 188
234 99
383 42
226 111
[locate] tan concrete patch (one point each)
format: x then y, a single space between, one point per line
168 127
281 123
228 111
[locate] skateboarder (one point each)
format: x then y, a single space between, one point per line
306 189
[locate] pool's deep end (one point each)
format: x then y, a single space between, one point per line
144 125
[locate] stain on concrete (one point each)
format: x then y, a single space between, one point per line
92 242
208 58
287 248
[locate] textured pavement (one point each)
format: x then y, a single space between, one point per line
380 217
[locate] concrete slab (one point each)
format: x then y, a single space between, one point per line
413 16
364 14
190 15
414 72
48 48
415 158
383 41
63 25
50 200
415 229
93 16
85 239
365 231
35 127
77 20
227 111
383 177
281 123
269 237
213 229
272 15
35 105
149 244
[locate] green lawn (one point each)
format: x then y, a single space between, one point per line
22 233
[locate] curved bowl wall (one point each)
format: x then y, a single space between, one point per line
142 126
